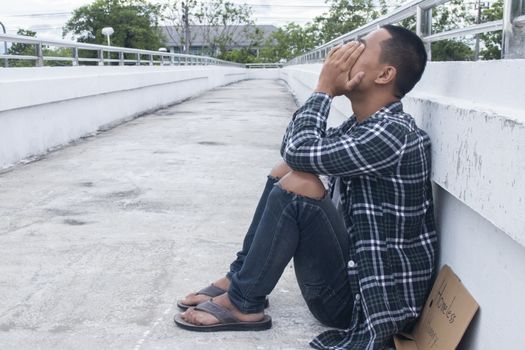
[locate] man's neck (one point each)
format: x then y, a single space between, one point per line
366 105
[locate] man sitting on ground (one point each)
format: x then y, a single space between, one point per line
364 250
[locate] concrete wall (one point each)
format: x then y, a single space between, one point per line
474 113
44 108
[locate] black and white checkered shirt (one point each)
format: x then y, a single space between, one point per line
383 165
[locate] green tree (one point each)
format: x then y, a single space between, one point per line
249 54
452 15
492 41
451 50
57 52
135 23
20 49
287 42
446 17
342 17
222 23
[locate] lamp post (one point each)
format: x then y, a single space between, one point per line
6 61
108 31
163 50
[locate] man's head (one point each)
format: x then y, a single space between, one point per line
394 60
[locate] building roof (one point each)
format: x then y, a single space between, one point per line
198 34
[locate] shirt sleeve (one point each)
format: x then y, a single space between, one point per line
315 98
372 147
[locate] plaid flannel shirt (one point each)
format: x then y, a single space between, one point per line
383 164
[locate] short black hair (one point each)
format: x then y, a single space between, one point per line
406 52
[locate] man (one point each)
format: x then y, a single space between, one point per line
364 251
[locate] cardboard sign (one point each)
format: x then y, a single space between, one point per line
444 318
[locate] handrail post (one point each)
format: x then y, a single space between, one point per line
75 61
39 55
6 60
424 27
513 29
150 59
121 58
100 57
138 59
172 60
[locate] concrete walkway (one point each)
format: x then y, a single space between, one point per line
101 238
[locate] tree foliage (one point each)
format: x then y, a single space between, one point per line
221 21
135 23
20 49
345 15
450 16
287 42
492 41
342 17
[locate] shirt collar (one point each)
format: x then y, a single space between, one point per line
389 109
392 108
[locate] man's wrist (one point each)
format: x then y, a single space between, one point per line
324 90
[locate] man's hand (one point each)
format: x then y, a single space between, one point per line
334 79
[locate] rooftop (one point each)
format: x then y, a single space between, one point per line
200 33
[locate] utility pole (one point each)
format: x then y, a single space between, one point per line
479 6
186 20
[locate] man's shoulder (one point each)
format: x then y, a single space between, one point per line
407 125
402 120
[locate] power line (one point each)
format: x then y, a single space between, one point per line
292 6
49 14
269 17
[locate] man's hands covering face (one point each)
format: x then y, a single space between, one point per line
334 79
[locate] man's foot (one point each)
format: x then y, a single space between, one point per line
194 299
202 318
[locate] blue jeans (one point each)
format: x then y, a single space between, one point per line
311 231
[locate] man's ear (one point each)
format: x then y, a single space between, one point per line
386 75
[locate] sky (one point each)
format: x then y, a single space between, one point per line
46 17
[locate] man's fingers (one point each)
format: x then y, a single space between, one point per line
341 50
349 48
334 50
352 83
354 55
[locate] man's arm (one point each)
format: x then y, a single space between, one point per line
333 81
373 148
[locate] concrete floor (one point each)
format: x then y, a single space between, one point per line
101 238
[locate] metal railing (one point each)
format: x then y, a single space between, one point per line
104 54
263 65
513 26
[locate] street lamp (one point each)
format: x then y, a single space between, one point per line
108 31
163 50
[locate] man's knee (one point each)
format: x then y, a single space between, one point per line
280 169
304 184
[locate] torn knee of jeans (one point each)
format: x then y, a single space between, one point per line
280 185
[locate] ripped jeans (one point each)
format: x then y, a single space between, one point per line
311 231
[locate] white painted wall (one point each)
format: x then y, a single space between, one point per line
474 114
44 108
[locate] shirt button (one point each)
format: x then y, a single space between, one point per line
351 263
358 297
